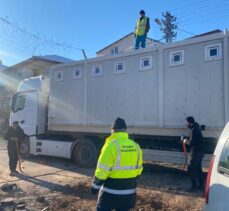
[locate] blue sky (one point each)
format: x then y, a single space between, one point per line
94 24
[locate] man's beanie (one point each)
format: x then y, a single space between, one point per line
190 119
15 123
119 124
142 12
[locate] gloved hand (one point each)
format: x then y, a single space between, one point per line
185 141
182 138
94 191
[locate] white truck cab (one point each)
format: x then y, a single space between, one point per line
30 108
29 105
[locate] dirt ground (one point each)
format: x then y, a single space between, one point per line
58 184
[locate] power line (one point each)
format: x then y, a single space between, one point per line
207 14
211 9
188 10
185 31
204 20
34 43
37 36
202 10
193 3
10 37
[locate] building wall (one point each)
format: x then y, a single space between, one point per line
126 44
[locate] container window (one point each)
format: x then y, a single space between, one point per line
59 75
97 71
223 167
76 73
119 67
146 63
176 57
213 52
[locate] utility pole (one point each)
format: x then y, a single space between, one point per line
168 26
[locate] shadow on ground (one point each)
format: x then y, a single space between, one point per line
167 178
62 164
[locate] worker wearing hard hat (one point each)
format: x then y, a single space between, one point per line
118 167
141 29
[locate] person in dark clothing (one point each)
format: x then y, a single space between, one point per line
195 140
14 136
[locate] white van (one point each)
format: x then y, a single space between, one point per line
217 185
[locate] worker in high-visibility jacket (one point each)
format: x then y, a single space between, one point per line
141 29
119 165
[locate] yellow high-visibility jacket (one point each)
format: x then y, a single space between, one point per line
141 26
119 165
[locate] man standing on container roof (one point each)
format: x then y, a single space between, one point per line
119 165
141 29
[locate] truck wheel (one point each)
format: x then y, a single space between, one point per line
85 154
25 148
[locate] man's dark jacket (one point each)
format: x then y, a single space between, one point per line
16 133
196 139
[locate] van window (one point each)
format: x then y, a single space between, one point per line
223 167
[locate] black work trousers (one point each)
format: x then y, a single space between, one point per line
13 155
195 169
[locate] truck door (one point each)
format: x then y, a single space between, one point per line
24 107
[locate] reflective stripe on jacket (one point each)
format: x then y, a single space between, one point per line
119 164
141 26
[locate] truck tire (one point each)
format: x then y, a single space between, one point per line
25 148
85 154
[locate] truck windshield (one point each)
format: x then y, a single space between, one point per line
18 103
